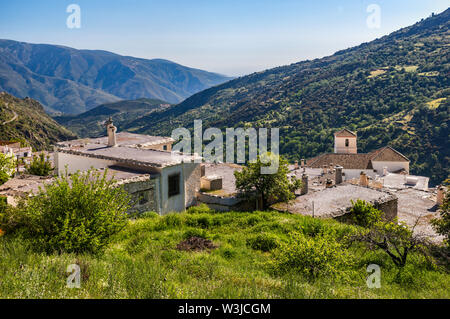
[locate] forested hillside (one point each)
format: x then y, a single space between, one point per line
393 90
25 120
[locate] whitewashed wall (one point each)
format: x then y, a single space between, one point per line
78 163
391 166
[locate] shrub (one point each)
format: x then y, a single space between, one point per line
7 167
313 257
364 214
4 177
202 221
77 213
40 166
195 232
263 242
200 209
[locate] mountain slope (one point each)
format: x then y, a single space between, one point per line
25 120
72 81
91 123
393 90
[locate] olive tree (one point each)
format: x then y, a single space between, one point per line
271 188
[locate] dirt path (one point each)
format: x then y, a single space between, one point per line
11 120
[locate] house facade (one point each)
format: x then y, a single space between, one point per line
168 182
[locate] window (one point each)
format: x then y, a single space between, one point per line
165 147
174 185
346 142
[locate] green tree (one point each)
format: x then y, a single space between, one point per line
77 213
40 165
7 167
253 183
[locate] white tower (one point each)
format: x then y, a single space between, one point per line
345 142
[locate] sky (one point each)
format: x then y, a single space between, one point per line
231 37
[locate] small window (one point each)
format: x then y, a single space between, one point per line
347 142
174 185
165 147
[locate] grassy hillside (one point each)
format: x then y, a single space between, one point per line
393 90
73 81
25 120
91 123
143 262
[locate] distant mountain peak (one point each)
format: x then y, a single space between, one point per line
72 81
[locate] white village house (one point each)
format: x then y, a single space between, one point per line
160 180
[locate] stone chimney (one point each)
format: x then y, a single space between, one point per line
304 189
302 162
325 169
363 181
385 171
338 176
296 165
329 183
111 130
440 195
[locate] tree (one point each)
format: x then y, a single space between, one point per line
77 213
40 165
7 167
442 225
271 188
395 239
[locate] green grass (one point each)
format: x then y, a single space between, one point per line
142 262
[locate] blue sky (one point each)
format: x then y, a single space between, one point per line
230 37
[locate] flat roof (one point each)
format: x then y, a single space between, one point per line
129 155
123 139
31 183
331 202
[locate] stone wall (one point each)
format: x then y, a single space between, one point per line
387 205
143 196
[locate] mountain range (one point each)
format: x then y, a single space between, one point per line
91 123
71 81
392 91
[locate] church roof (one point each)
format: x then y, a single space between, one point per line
345 133
357 161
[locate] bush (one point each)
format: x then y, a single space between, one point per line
195 232
313 257
364 214
202 221
77 213
263 242
7 167
200 209
40 166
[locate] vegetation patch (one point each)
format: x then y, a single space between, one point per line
196 244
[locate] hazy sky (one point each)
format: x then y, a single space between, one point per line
233 37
